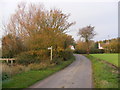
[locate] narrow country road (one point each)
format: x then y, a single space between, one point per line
76 75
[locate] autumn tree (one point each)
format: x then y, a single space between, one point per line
31 19
87 33
11 45
80 47
111 46
39 28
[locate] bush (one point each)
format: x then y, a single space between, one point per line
29 57
66 55
92 51
25 58
80 51
57 60
62 56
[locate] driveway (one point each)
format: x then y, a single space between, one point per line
76 75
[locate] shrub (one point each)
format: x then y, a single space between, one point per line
33 56
66 54
25 58
57 60
92 51
62 56
80 51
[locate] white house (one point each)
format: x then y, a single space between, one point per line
72 47
99 46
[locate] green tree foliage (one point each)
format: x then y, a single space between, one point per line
96 45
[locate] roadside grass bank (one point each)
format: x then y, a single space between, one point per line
26 79
104 76
111 58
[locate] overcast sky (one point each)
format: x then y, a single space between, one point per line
101 14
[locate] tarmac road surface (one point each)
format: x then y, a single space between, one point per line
76 75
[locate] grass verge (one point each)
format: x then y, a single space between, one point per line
111 58
26 79
104 76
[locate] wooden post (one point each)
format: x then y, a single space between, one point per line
51 53
7 60
11 62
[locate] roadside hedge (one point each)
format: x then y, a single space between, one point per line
29 57
92 51
60 56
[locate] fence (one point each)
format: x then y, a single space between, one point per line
8 59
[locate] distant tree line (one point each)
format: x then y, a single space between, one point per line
109 46
86 45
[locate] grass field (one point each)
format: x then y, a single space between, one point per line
26 79
104 76
111 58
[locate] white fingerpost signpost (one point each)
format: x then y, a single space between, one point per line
51 52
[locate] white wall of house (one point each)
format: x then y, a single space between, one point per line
99 46
72 47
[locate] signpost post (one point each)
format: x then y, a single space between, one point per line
51 52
